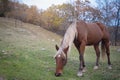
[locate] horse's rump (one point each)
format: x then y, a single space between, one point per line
104 30
92 33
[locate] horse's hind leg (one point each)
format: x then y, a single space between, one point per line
96 47
108 54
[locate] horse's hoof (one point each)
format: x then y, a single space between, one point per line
79 74
109 67
95 67
57 74
84 70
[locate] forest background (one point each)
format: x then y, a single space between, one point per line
57 18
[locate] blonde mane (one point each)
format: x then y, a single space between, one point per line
68 39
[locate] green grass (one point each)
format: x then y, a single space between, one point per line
22 56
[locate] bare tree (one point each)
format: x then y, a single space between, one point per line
4 7
110 13
117 22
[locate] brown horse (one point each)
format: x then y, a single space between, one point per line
83 34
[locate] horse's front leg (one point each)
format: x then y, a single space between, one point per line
81 58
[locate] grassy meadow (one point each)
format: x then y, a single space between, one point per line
26 53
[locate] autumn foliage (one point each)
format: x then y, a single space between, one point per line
57 17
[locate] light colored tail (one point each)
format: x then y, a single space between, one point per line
103 50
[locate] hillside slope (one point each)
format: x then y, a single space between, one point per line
24 47
25 33
7 27
26 53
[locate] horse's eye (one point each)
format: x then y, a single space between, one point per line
64 61
63 57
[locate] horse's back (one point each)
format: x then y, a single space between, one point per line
95 34
92 33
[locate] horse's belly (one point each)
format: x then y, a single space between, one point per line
93 42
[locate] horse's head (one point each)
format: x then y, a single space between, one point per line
61 60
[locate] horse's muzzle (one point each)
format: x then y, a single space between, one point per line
58 74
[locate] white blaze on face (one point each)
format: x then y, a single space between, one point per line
59 56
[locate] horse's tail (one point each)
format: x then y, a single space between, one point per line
103 49
103 29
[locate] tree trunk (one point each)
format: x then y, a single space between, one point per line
117 26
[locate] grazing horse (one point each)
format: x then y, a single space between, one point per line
82 34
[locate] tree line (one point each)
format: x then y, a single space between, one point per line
57 17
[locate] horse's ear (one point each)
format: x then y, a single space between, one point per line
66 49
57 48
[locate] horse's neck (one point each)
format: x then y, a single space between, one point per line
69 36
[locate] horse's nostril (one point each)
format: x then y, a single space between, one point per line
57 74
